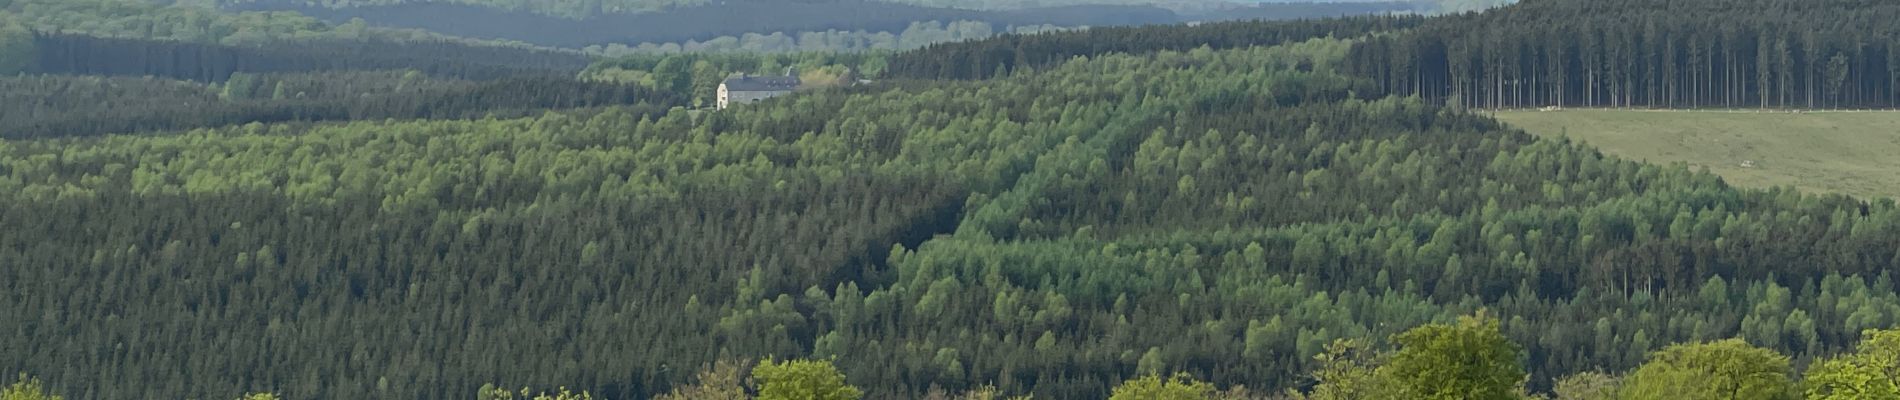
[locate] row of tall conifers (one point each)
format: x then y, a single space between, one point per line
1639 53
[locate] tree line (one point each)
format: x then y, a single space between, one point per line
1661 54
697 76
919 34
57 53
704 22
136 19
1005 54
73 106
1468 359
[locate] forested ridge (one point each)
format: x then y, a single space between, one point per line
140 19
88 55
1642 53
1065 215
726 18
1001 55
60 106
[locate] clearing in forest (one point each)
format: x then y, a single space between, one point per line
1850 152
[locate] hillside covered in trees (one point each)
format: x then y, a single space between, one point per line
1129 213
585 9
732 18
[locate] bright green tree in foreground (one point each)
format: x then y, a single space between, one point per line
1469 360
802 380
1586 386
1152 387
27 389
1347 371
1872 372
490 392
1725 370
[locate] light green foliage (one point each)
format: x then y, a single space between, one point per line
985 392
1181 386
260 396
1347 371
1871 372
1469 360
1586 386
802 380
490 392
1724 370
724 380
16 47
27 389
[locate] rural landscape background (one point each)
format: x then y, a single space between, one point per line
957 199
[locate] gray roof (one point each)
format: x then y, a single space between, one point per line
762 83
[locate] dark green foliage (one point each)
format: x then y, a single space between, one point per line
143 19
61 106
721 18
1645 53
1003 54
17 54
76 54
1225 213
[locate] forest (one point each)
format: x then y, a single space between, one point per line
1003 55
586 9
1656 54
138 19
919 34
92 55
728 18
60 106
1238 210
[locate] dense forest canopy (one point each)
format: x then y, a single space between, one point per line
711 21
1122 213
91 55
1642 53
918 35
936 234
597 8
66 106
1197 9
139 19
999 56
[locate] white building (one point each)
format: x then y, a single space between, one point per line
745 89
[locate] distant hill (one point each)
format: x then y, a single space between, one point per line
582 9
1298 10
729 18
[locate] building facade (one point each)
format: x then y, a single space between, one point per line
744 89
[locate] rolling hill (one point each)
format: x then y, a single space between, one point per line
1846 152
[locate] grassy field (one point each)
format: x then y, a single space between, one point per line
1856 153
